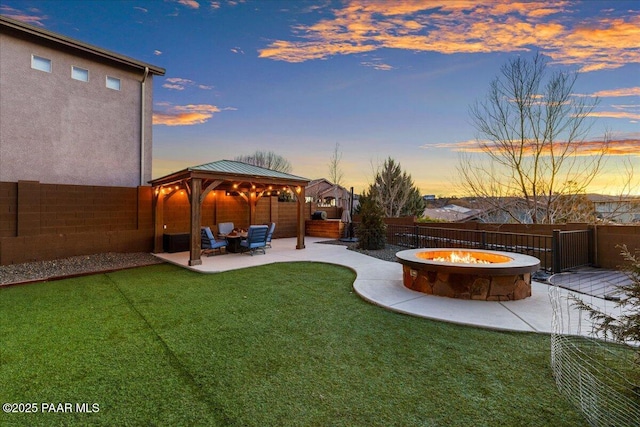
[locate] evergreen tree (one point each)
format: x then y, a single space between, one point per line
396 192
371 231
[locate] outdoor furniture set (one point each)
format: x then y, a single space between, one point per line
256 238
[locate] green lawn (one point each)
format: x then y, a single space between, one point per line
278 345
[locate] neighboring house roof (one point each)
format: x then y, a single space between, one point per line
61 41
230 170
318 181
605 198
321 184
451 213
615 208
322 188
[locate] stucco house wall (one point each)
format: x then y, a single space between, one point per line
54 129
75 156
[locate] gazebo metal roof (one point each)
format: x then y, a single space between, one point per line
231 170
230 166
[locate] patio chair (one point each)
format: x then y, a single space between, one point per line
256 239
209 243
272 227
225 228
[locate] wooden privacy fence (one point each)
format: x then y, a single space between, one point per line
562 251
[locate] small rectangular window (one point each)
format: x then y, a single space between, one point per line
113 83
81 74
40 63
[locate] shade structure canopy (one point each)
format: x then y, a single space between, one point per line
249 181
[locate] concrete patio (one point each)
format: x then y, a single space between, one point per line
380 282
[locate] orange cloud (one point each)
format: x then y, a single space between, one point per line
616 147
629 91
300 52
619 147
606 43
471 146
616 115
185 115
622 111
465 26
193 4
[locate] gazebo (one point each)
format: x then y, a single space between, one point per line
247 181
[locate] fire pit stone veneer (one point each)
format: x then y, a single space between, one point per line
497 276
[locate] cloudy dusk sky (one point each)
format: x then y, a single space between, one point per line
380 78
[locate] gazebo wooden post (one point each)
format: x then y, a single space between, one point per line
301 217
253 202
195 251
158 220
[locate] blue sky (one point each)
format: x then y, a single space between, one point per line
379 78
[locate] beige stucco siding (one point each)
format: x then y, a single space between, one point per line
55 129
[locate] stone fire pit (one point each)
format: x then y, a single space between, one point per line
471 274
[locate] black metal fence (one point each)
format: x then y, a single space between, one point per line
562 251
572 249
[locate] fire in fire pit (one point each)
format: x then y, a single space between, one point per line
463 258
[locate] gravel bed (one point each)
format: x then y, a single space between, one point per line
87 264
387 254
77 265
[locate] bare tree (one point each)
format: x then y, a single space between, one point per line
335 171
531 128
267 159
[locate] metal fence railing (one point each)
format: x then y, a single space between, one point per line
559 252
571 249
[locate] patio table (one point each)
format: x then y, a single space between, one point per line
233 241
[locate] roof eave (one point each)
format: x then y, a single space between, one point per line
171 178
78 45
225 176
230 176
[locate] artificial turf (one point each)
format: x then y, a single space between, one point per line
276 345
